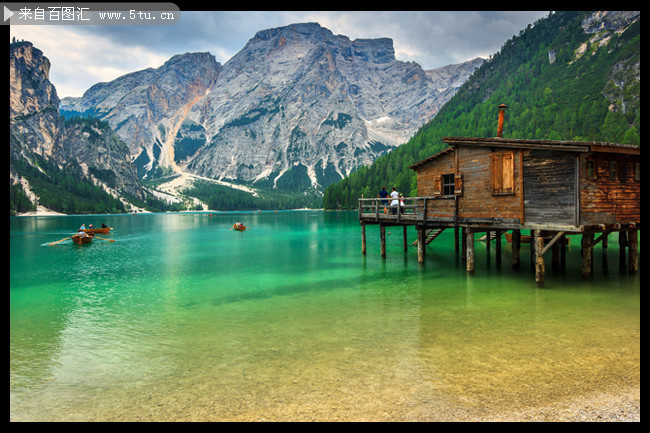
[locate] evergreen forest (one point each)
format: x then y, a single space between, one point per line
62 190
226 198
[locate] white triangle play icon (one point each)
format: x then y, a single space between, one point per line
8 13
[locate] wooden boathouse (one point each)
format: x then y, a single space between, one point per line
494 185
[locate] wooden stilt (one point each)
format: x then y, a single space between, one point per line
463 248
488 245
404 237
604 261
539 258
587 254
363 238
555 257
633 248
516 246
421 244
498 245
532 247
456 245
470 250
382 239
622 243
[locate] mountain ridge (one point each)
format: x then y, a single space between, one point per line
295 99
295 110
56 162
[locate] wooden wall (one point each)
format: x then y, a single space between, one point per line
476 198
479 200
550 187
542 186
604 200
429 183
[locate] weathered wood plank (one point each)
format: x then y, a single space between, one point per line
469 256
608 196
549 185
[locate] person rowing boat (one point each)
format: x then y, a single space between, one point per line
82 237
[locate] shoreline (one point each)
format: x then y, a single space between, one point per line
48 212
596 407
620 405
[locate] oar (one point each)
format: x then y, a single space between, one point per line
52 243
104 239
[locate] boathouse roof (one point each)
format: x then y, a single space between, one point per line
565 146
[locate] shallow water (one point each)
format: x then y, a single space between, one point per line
182 318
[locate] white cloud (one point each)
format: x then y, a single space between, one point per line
77 62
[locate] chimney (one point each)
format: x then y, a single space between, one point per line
502 110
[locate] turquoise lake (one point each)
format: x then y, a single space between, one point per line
182 318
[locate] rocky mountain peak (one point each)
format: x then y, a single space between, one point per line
296 106
298 32
34 104
303 35
37 131
608 21
29 65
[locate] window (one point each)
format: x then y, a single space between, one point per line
637 171
622 172
613 170
447 184
591 172
502 170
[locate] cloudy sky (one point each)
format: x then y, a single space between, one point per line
82 55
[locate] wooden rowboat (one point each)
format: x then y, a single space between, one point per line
98 230
81 240
525 239
241 228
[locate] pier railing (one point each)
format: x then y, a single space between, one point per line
409 209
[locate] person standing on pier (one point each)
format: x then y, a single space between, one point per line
384 194
393 204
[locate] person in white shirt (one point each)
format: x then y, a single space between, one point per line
393 204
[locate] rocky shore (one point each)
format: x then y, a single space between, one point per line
621 405
599 407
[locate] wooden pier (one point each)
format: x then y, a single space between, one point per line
494 185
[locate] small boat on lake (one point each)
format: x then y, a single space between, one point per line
98 230
82 240
240 227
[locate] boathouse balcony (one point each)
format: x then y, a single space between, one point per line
428 211
411 211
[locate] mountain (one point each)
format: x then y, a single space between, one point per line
74 166
33 103
295 110
570 76
148 108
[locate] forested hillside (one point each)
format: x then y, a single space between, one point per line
561 78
